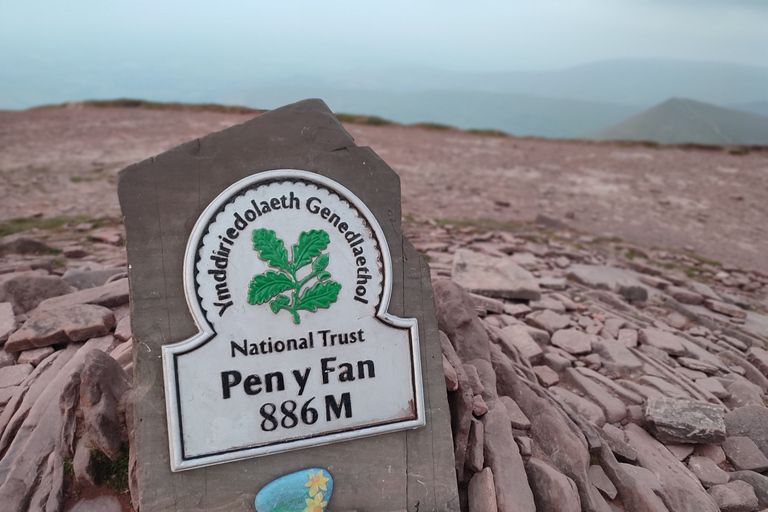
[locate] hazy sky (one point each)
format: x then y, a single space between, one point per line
303 36
110 48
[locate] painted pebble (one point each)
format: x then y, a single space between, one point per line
308 490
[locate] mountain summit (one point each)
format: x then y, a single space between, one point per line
680 121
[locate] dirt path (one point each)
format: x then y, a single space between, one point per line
65 161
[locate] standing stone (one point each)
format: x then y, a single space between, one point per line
161 198
481 494
552 490
494 277
503 457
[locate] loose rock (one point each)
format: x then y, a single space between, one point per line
493 277
63 325
685 421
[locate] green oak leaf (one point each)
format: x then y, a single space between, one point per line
280 302
319 296
271 249
310 244
320 263
265 286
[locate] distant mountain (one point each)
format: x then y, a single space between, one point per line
630 81
679 121
516 114
757 107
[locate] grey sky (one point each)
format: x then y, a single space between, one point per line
93 48
462 36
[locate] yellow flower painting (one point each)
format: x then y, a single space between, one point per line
316 483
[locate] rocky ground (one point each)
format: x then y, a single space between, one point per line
584 372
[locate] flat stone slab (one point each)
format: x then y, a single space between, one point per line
14 375
572 341
77 322
725 308
518 337
707 471
685 421
548 320
84 279
8 322
34 356
614 409
744 454
662 340
493 277
110 296
735 496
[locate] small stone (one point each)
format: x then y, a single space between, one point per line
474 379
698 365
14 375
628 337
34 356
487 304
553 283
707 471
7 358
100 504
572 341
112 236
546 376
8 324
665 341
714 452
23 245
712 385
479 407
725 309
516 310
599 479
548 320
451 379
525 444
735 496
493 277
684 296
556 362
614 436
547 303
84 279
590 411
758 482
617 359
685 421
517 336
481 493
517 417
681 451
123 354
110 295
614 409
475 458
744 454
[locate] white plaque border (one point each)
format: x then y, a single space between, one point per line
206 332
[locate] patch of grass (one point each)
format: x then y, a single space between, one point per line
69 466
17 225
113 473
480 224
362 119
160 105
632 253
705 147
703 260
488 133
439 127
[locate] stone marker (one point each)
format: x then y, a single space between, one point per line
277 312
